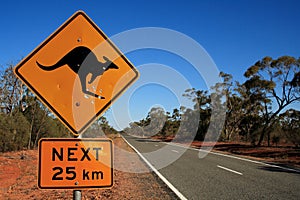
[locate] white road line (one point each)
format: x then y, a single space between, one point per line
233 171
175 151
156 145
172 187
235 157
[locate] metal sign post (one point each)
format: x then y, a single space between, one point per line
77 193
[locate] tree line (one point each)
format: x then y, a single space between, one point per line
260 110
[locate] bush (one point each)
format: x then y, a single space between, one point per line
14 132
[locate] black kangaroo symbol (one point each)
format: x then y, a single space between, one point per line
74 59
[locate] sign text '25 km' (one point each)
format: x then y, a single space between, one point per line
75 163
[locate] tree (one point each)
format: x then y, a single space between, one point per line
188 125
37 115
247 113
99 128
176 115
201 111
273 84
249 126
233 106
290 123
13 131
173 122
153 124
11 91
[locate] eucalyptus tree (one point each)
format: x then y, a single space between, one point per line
273 84
290 124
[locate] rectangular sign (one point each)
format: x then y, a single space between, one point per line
66 163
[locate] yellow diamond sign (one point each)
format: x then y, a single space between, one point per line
77 72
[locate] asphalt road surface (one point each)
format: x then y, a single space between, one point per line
217 176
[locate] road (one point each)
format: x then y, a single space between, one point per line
218 176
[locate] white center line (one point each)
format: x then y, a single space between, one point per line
156 145
229 170
175 151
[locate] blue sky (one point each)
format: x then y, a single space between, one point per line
234 33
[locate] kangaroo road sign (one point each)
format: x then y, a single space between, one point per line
77 72
75 163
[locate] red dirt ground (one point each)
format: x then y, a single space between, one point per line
18 173
283 155
18 180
